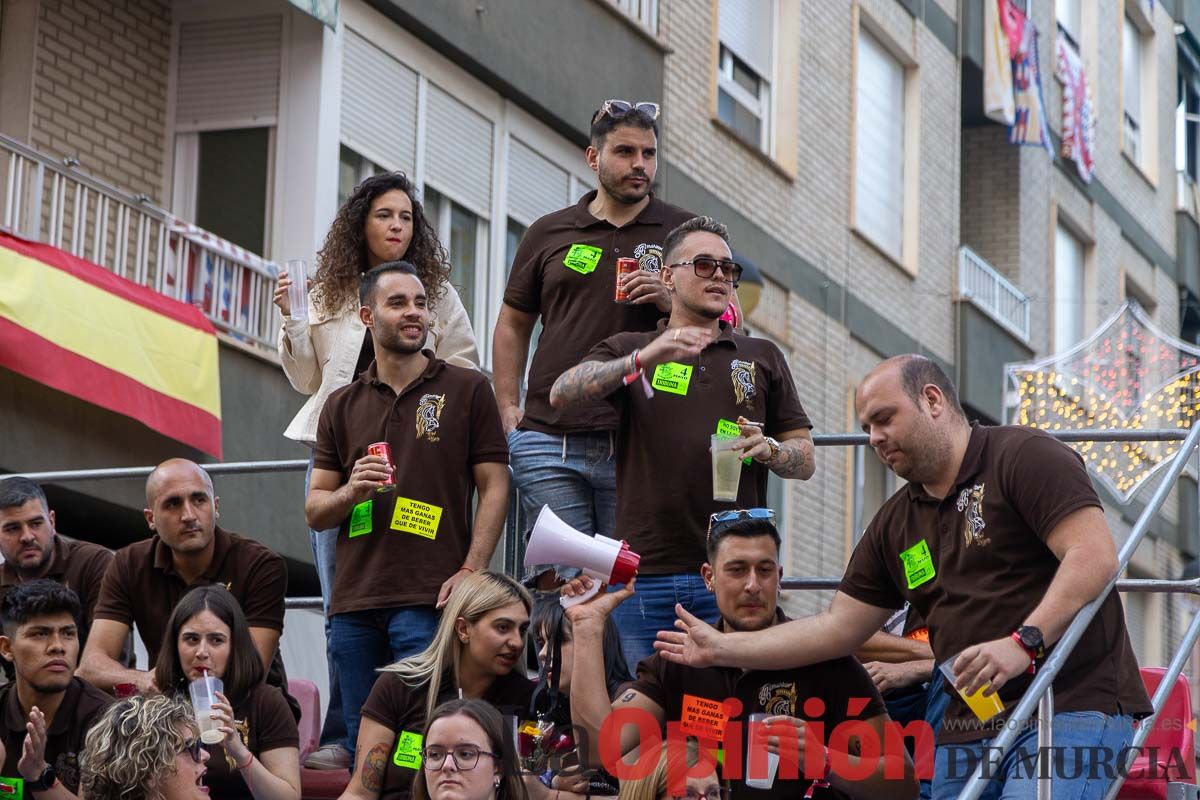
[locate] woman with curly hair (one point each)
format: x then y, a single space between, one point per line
144 748
381 221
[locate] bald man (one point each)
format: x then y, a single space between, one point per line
187 549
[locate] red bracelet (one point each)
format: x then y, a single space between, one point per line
1029 651
249 761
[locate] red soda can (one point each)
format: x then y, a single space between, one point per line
384 450
625 266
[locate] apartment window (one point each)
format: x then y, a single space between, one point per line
744 69
465 236
512 240
879 151
1068 289
1069 15
874 483
1187 120
1132 70
232 185
353 169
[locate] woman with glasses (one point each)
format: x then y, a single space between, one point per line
466 756
476 653
144 748
381 221
259 757
664 783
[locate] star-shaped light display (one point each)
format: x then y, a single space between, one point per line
1128 375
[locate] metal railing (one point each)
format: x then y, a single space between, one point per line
642 12
992 293
53 202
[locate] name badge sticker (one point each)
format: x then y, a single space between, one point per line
408 750
918 564
703 718
582 258
672 377
732 431
413 516
360 518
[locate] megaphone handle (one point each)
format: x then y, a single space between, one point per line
567 602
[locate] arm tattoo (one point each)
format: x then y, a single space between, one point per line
591 380
795 459
373 767
628 697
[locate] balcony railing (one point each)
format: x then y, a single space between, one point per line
52 202
643 12
992 293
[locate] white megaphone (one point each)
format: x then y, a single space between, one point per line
602 559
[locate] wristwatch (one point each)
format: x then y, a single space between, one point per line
1030 638
44 782
774 445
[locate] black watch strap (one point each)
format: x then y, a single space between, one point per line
45 781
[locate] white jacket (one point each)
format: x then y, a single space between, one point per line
319 354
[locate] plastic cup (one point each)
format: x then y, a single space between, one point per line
298 290
983 707
726 467
204 694
756 742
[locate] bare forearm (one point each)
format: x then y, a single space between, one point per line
590 705
1077 582
510 349
489 523
324 509
893 649
591 380
105 672
266 785
796 459
797 643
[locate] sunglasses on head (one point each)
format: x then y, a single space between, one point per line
623 108
723 519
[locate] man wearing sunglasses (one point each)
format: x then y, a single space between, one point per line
673 388
564 274
743 570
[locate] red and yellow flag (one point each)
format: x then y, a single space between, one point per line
80 329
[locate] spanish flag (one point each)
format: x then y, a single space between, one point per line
80 329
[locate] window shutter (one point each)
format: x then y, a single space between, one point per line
535 185
381 125
458 151
745 28
879 154
228 73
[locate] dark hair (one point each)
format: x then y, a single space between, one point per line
917 372
511 786
37 598
343 257
695 224
244 670
548 616
17 491
746 529
371 277
604 124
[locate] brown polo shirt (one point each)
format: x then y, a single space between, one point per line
975 564
664 469
142 587
398 548
81 706
401 709
698 700
265 723
565 270
79 566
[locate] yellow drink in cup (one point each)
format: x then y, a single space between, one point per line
983 707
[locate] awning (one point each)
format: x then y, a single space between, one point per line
80 329
324 10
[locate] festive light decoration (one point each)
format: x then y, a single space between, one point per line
1128 375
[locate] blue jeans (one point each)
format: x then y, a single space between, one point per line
652 609
928 704
574 474
1083 762
324 543
364 641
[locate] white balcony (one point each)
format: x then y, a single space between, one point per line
993 294
644 13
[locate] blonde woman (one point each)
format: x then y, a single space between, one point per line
144 748
663 782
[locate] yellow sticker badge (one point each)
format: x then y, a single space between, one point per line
408 750
918 564
413 516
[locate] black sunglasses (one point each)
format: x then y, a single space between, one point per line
706 267
718 522
623 108
194 748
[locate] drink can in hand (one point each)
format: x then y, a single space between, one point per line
625 266
384 451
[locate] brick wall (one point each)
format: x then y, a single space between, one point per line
100 90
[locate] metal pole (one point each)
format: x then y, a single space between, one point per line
228 468
1045 677
1097 435
1191 586
1045 780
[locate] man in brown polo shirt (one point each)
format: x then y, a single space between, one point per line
406 538
188 549
997 540
32 548
41 641
565 274
699 378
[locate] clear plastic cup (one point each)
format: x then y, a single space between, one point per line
297 272
204 694
726 467
756 742
983 707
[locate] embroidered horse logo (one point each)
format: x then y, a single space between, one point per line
429 416
971 501
742 374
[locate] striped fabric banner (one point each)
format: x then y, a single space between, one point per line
80 329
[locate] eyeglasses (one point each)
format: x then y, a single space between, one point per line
723 519
713 793
465 756
194 748
706 267
623 108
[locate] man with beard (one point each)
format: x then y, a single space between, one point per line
672 389
46 710
32 548
405 539
743 570
564 274
188 549
997 540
